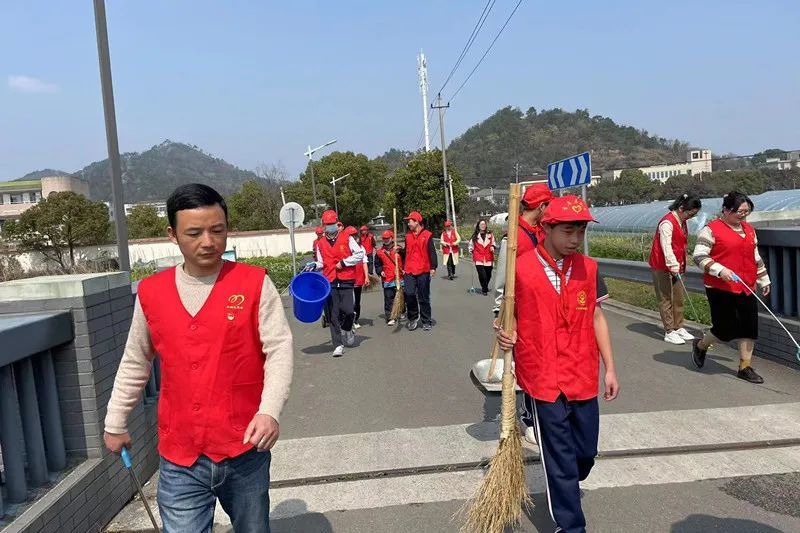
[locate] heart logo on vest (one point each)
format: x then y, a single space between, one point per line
235 303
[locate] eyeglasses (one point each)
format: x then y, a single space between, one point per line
741 213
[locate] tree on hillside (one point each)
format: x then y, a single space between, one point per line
394 158
675 186
419 186
746 181
634 186
254 207
144 223
59 224
471 210
770 153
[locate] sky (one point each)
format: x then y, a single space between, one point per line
256 82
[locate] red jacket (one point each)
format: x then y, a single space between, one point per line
556 350
733 252
368 242
212 364
483 253
332 254
680 234
528 236
417 259
387 257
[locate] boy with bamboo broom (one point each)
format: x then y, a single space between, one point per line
558 290
389 266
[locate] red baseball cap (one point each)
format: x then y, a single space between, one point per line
329 217
567 209
364 228
319 230
350 230
447 224
388 234
536 195
414 215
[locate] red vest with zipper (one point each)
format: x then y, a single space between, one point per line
388 273
680 234
565 359
417 259
483 252
735 252
212 364
368 242
332 254
448 242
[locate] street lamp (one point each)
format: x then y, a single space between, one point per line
333 182
309 153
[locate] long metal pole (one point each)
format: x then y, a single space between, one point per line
107 86
291 238
335 204
585 235
440 107
313 186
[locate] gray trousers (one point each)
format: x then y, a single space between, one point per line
339 310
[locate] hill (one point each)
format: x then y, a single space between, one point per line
486 153
39 174
153 174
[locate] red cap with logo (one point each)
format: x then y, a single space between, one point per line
414 215
387 235
364 228
536 195
350 230
319 230
448 224
567 209
329 217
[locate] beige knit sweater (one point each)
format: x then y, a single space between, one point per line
134 369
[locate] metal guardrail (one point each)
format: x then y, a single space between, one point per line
29 401
780 250
640 271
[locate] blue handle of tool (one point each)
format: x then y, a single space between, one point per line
126 458
736 278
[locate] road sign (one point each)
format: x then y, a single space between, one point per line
570 172
292 215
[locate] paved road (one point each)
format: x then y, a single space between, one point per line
341 424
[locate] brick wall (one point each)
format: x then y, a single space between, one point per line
87 498
773 342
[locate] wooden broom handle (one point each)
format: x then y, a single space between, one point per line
396 262
511 263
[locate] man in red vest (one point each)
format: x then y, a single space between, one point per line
225 352
420 266
558 291
338 255
367 240
534 202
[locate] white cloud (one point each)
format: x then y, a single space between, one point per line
28 84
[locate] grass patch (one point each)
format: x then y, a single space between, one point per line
642 295
631 246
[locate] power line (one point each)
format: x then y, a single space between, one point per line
487 51
475 30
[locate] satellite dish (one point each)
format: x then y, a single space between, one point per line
292 214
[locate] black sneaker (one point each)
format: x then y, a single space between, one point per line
412 325
748 374
698 355
427 327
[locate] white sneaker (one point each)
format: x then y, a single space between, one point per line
530 435
391 323
673 338
683 334
349 338
356 325
339 351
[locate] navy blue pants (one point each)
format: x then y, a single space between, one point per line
418 297
567 436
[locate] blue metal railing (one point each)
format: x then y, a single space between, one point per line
31 434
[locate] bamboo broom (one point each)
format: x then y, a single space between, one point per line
499 500
399 298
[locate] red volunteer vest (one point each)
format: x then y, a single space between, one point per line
361 278
680 234
332 254
417 259
734 252
482 252
212 364
368 242
448 242
527 234
556 350
388 273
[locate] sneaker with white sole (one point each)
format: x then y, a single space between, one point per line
391 323
673 338
530 435
349 338
356 325
683 334
338 351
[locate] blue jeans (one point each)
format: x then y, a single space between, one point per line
187 495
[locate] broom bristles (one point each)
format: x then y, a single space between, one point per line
398 305
500 499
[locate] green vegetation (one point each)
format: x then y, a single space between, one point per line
642 295
629 246
144 223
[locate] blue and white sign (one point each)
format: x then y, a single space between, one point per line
570 172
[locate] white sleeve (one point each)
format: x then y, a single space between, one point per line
357 254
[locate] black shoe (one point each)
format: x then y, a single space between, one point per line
427 327
748 374
698 355
412 325
450 278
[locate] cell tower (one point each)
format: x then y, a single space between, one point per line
422 69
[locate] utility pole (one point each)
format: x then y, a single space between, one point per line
422 69
516 172
107 88
448 184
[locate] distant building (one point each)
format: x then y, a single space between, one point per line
789 161
698 160
18 196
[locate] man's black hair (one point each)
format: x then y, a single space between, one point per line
191 196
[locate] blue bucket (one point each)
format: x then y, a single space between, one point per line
309 291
